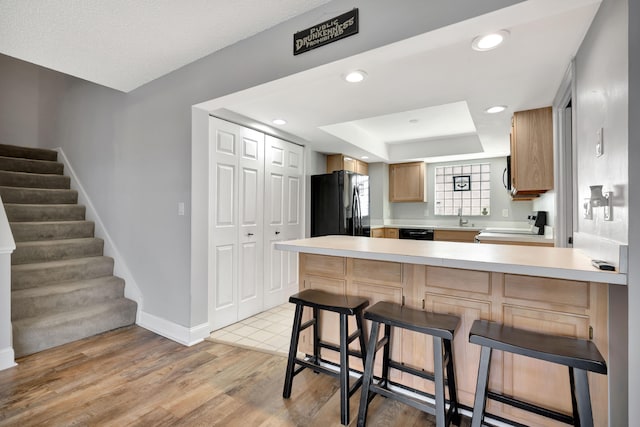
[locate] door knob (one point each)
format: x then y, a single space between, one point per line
249 234
277 232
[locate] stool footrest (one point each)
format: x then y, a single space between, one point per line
306 324
418 404
521 404
329 346
413 371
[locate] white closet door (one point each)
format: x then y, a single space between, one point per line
283 221
236 223
251 238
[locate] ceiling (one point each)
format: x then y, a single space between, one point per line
123 44
424 97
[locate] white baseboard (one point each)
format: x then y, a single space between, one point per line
120 269
7 358
173 331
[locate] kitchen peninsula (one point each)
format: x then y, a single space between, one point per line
552 290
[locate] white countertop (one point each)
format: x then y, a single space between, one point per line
488 236
560 263
432 227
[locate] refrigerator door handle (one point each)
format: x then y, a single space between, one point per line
358 217
354 201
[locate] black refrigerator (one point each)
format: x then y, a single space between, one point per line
340 204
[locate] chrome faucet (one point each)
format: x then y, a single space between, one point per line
461 222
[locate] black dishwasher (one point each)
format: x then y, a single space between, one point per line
416 233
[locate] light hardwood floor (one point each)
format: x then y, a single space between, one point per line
133 377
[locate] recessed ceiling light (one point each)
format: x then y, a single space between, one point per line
364 157
355 76
279 122
495 109
489 41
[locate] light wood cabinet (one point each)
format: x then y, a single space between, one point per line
391 233
386 232
467 236
338 162
555 306
408 182
531 153
377 232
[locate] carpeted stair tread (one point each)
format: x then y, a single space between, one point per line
28 152
35 334
52 250
38 212
45 273
33 180
51 230
61 297
38 195
30 165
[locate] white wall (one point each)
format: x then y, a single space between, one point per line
602 100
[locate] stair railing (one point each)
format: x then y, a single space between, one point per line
7 246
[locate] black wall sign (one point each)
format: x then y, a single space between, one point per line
327 32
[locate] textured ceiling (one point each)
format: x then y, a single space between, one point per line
124 44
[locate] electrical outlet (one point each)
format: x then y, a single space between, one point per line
180 208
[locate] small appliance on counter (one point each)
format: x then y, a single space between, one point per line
537 222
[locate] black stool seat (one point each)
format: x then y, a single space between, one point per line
435 324
578 355
344 305
442 328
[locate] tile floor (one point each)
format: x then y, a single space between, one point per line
268 331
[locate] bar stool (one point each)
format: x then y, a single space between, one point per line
442 328
578 354
344 305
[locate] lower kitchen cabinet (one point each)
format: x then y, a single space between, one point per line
377 232
467 236
386 232
391 233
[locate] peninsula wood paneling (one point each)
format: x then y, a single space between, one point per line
379 271
463 280
553 306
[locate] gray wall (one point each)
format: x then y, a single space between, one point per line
500 198
132 152
602 77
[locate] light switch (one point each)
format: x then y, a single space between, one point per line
505 213
180 208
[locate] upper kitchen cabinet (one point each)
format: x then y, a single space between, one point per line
340 162
531 152
408 182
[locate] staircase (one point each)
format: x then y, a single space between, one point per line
62 287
